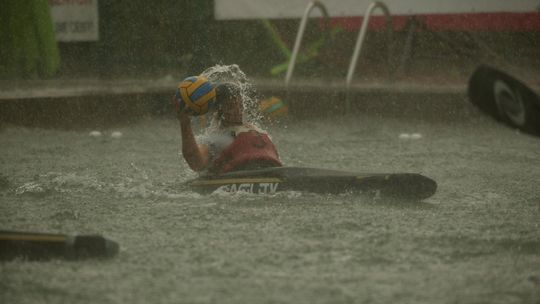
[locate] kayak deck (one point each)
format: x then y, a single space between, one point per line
322 181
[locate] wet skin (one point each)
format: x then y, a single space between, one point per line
231 112
196 155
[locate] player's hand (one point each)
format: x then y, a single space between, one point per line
181 113
183 116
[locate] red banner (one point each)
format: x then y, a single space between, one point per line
513 22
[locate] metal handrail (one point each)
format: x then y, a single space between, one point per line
362 35
299 36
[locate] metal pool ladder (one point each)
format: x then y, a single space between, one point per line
300 35
359 40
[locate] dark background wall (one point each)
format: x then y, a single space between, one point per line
141 39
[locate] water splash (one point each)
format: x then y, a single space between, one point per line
30 188
126 187
220 74
58 182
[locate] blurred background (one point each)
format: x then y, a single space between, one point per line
63 42
112 39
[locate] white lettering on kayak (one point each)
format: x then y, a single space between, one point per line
268 188
258 188
273 187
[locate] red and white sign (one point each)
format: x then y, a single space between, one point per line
441 14
75 20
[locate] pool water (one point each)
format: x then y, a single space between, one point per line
476 240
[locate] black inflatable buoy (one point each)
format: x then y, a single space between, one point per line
505 98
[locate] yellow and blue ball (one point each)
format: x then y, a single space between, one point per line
274 109
196 95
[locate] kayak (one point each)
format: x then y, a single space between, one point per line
44 246
409 186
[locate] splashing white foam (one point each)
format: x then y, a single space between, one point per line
30 187
127 187
220 74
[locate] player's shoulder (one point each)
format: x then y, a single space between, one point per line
248 128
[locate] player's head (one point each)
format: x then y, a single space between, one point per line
230 106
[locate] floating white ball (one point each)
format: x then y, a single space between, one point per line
116 134
95 134
416 136
404 136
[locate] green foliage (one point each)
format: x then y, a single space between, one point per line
29 46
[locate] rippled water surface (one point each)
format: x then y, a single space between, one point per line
476 240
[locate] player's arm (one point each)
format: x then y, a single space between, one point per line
197 156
